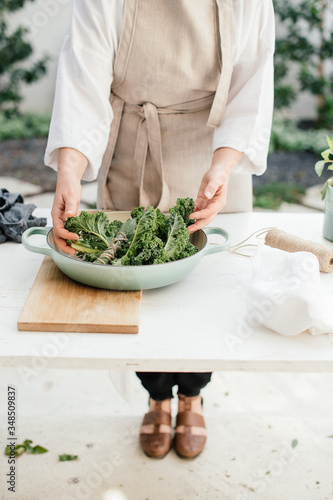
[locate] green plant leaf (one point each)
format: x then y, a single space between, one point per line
25 447
294 443
92 226
324 190
67 458
326 154
319 167
37 450
330 142
19 449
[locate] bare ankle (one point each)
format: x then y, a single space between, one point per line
190 404
164 405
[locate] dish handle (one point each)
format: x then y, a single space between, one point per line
41 248
213 247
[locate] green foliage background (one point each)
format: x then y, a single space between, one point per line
308 43
14 50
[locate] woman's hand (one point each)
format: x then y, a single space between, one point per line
71 167
212 195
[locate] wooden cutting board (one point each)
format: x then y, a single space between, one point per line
58 304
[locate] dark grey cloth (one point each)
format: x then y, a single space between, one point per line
16 217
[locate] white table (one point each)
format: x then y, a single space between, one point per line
189 326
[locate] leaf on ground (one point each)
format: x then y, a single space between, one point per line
294 443
37 450
25 447
67 458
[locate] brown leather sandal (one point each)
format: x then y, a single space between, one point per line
155 432
191 433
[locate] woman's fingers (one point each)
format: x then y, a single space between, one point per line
212 208
61 243
206 209
63 233
200 223
61 210
60 235
71 208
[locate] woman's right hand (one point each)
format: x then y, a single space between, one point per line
67 196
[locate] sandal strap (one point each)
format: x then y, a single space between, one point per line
157 417
191 419
153 430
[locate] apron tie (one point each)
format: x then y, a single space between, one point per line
149 135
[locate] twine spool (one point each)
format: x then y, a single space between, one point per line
284 241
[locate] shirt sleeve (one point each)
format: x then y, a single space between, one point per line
247 121
82 113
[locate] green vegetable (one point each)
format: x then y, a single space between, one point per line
120 242
25 447
184 207
177 239
95 231
148 237
67 458
143 234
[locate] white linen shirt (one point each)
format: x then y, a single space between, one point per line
82 113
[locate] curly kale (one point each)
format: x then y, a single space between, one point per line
150 254
184 207
148 237
137 213
144 230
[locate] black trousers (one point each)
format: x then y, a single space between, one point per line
159 384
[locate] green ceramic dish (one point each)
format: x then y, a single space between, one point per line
125 277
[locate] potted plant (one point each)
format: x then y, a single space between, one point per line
327 191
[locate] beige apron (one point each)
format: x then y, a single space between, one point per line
168 92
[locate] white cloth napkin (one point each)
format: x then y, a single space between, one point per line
285 293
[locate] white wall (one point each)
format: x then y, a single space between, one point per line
48 20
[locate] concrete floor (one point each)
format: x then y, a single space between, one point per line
252 420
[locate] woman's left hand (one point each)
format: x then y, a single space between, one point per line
212 194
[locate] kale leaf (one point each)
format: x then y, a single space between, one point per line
143 234
93 229
148 237
120 242
184 207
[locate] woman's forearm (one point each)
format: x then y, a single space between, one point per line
71 167
227 158
71 162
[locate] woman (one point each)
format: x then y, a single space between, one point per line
163 99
